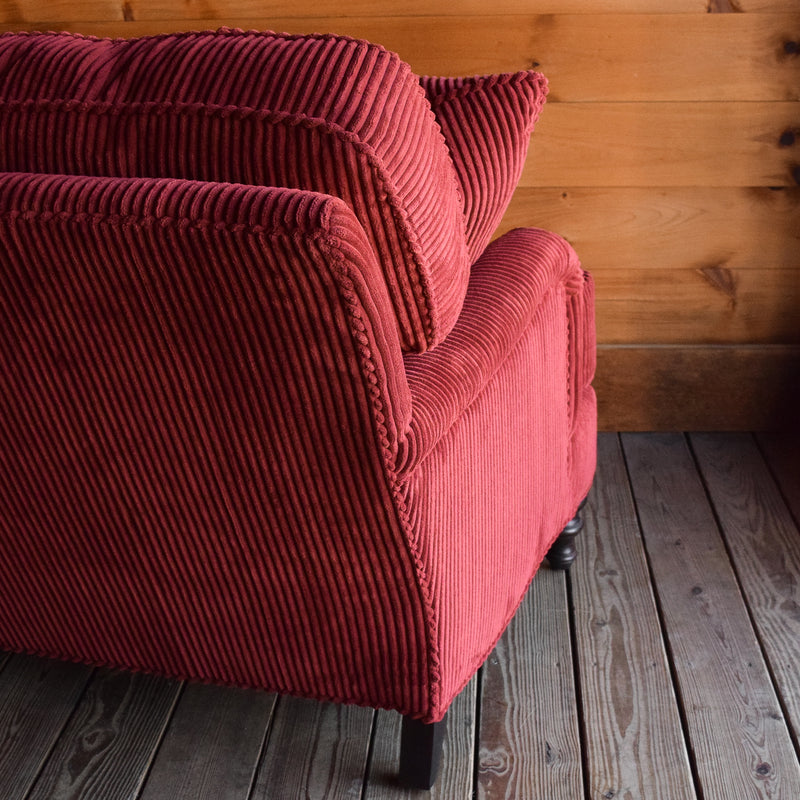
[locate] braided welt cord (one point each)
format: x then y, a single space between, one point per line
338 259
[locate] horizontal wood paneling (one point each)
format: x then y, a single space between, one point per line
665 144
642 388
15 11
658 56
710 305
607 57
668 155
650 228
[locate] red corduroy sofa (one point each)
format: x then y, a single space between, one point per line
274 412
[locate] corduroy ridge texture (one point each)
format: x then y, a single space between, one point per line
216 459
200 406
324 113
487 122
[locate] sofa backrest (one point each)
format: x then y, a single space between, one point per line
330 114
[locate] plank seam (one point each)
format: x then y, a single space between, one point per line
56 739
576 679
776 688
476 747
265 742
676 688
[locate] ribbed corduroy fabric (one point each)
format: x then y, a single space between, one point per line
200 400
487 122
216 462
507 285
324 113
500 450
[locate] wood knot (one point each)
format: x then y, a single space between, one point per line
723 7
723 280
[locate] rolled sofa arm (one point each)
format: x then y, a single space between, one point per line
200 399
507 285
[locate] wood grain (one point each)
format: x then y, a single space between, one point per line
630 711
314 750
670 145
587 57
23 12
739 739
656 228
672 388
455 776
782 453
764 542
663 144
12 11
111 738
530 743
196 9
650 57
212 746
37 698
704 305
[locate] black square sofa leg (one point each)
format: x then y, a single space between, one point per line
420 752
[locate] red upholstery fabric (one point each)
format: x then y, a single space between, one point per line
508 284
216 461
499 481
194 472
324 113
487 122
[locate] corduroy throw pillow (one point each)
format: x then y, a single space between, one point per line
487 123
324 113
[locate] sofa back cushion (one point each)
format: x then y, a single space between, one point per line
325 113
487 123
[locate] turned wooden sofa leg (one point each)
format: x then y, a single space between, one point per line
563 551
420 752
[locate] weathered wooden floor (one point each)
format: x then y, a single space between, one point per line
665 667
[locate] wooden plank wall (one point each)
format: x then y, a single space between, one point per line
668 154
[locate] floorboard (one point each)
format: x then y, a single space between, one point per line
529 736
37 698
107 747
213 745
456 776
736 730
764 543
634 742
782 453
663 667
315 750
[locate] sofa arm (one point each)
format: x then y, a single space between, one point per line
507 285
203 266
201 396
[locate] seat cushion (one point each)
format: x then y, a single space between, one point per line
487 123
324 113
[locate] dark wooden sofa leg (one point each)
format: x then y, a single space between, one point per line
563 551
420 752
